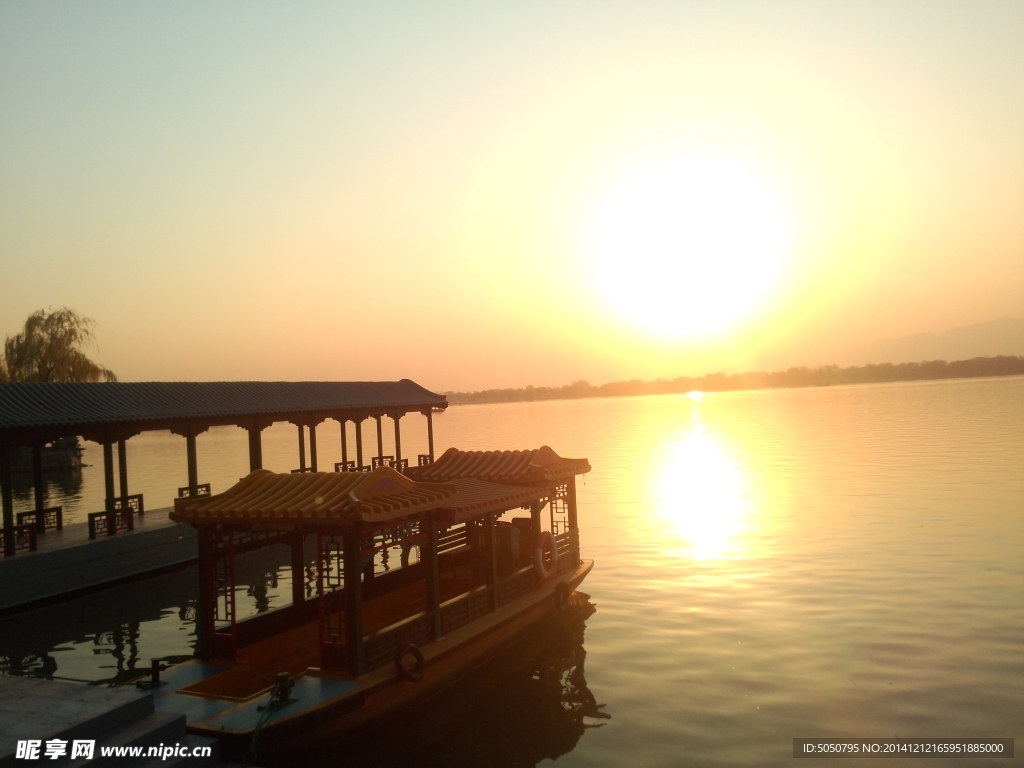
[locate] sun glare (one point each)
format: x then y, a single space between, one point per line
702 494
689 247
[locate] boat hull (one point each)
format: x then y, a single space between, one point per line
383 694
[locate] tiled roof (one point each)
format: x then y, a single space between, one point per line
476 497
26 405
320 499
537 467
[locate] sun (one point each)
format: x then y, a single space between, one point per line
690 246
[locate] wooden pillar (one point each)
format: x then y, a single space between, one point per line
573 519
312 446
7 493
353 604
193 467
344 442
570 488
298 568
433 576
430 435
398 437
491 538
380 439
302 447
359 443
370 563
255 448
108 473
535 509
122 468
37 480
206 602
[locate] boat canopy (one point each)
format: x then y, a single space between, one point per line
317 499
537 467
459 485
479 497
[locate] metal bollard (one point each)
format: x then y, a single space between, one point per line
284 686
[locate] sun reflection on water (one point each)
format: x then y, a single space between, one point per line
702 494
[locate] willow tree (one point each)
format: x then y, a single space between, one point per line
49 348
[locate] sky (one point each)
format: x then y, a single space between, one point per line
476 195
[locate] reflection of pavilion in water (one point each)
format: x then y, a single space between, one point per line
65 484
110 626
533 704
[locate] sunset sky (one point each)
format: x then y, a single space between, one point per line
499 194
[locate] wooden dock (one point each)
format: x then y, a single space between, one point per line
67 562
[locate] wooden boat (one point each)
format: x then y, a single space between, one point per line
418 577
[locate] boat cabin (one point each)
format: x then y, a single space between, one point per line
410 557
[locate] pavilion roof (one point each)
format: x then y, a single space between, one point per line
56 409
319 499
535 467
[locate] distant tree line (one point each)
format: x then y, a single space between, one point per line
721 382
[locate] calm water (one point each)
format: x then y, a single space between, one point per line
839 561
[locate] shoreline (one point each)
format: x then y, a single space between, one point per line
793 378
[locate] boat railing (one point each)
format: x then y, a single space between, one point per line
455 538
461 610
264 625
381 647
516 584
568 546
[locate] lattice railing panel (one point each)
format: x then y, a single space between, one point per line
463 610
516 585
133 503
330 582
201 490
52 518
380 649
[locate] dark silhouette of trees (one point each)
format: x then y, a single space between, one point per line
793 377
49 348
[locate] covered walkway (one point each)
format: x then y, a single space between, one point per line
35 414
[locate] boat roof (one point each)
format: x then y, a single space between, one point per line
478 497
541 466
461 484
315 499
343 499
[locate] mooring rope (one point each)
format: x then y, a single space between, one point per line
278 699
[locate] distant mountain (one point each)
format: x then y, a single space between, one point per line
1004 336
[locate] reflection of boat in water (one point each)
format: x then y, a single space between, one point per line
530 704
420 578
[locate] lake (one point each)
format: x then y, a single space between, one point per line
834 561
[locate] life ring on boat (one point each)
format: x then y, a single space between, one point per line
562 593
546 571
415 673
